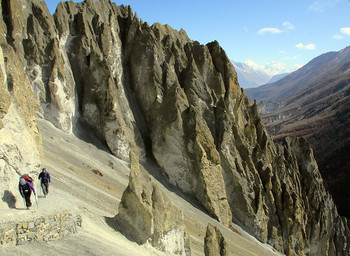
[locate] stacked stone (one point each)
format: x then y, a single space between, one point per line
46 228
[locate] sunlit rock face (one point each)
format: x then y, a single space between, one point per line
151 87
179 103
20 140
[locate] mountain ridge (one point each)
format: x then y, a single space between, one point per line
322 63
312 102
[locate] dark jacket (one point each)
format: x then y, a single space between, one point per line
45 177
27 186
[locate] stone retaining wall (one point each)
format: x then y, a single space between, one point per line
46 228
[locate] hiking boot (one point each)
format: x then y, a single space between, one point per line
28 208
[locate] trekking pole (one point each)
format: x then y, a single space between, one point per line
38 188
36 200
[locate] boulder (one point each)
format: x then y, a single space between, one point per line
146 215
214 242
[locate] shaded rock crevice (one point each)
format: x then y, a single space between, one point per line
6 16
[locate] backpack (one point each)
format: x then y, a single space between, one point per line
27 178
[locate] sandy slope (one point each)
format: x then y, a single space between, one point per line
87 179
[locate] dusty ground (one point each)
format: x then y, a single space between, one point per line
89 180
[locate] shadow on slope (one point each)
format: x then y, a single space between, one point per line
85 132
10 199
154 170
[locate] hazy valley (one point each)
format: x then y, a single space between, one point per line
314 102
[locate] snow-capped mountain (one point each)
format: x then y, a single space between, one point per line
252 75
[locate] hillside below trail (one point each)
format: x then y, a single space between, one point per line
90 181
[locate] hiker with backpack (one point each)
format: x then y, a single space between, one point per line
26 187
45 179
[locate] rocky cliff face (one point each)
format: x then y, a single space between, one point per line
180 104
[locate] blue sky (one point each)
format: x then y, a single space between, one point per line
284 32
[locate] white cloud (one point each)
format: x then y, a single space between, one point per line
345 31
269 30
322 5
306 47
299 46
283 52
288 25
337 36
310 47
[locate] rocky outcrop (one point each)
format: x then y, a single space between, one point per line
90 39
147 215
135 83
214 242
32 34
316 215
179 103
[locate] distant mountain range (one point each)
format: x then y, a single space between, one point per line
251 75
314 102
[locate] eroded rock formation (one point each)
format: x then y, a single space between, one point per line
134 84
180 104
147 215
214 242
